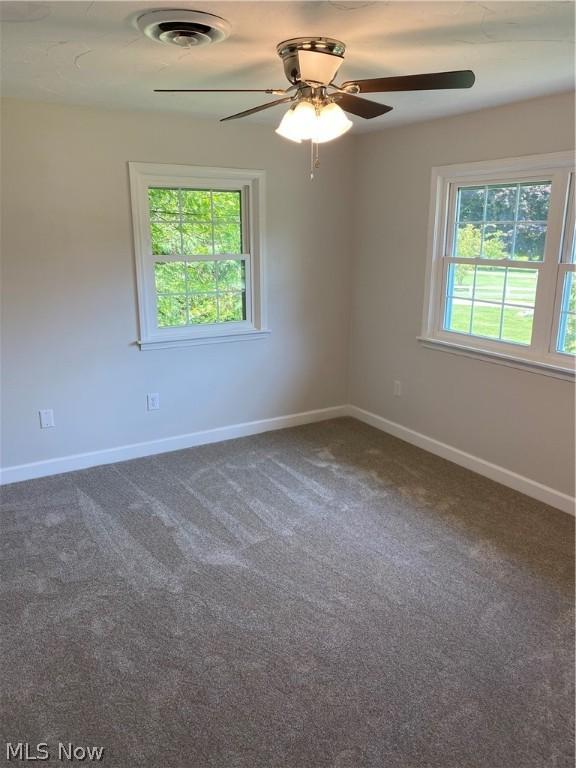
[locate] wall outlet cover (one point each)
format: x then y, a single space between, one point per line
153 401
46 418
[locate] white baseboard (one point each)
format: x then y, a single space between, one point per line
36 469
482 467
511 479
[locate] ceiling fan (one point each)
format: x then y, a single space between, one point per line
317 103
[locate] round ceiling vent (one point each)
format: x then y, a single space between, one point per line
183 28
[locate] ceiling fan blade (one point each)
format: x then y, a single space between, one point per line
463 78
361 107
220 90
257 109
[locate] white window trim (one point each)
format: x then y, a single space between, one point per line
252 183
543 360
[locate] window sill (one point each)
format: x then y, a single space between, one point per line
532 366
191 341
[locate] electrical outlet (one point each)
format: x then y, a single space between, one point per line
397 388
46 418
153 401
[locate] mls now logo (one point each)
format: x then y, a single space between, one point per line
25 752
71 752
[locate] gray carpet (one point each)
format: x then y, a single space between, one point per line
321 597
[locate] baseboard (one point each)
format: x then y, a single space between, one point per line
495 472
482 467
56 466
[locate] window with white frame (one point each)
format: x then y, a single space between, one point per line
199 255
501 263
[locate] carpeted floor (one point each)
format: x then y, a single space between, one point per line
321 597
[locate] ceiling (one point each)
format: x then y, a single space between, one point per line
90 53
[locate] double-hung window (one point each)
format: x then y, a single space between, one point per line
500 280
199 255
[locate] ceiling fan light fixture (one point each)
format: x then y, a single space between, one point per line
288 128
318 66
300 122
331 123
306 121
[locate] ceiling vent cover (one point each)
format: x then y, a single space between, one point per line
183 28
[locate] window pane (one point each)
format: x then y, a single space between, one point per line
567 328
226 205
572 254
521 286
570 292
227 238
163 201
460 281
568 343
489 285
471 203
171 220
230 306
530 242
197 203
458 315
201 276
196 223
170 277
534 202
468 241
498 240
165 239
171 311
517 325
203 308
231 275
486 320
501 203
502 221
197 239
490 288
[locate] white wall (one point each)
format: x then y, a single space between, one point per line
358 230
69 311
519 420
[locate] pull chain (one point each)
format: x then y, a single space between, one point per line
314 158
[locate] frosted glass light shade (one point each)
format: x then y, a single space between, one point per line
318 66
331 123
305 122
288 128
299 122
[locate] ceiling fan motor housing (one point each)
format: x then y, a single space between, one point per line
293 53
183 28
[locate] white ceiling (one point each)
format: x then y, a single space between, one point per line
90 53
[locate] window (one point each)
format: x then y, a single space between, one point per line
199 258
564 329
500 278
